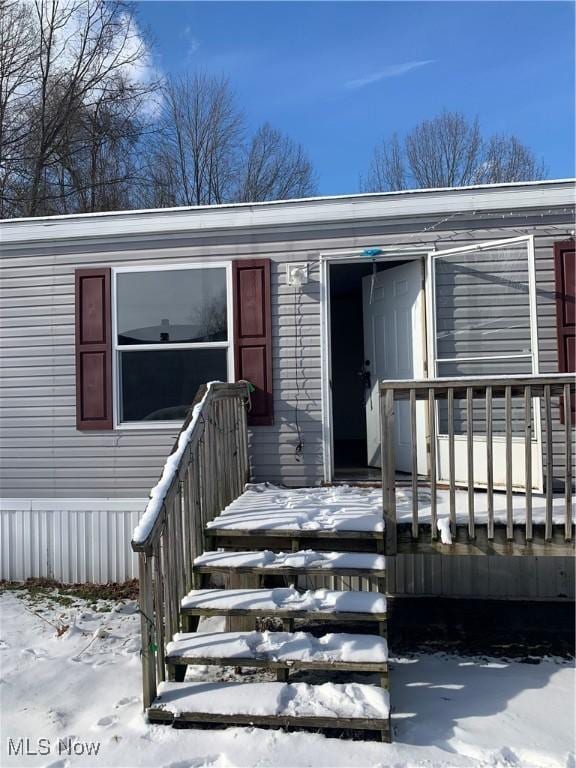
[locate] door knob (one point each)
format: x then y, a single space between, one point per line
365 375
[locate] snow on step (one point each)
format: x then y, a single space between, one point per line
285 599
330 700
301 561
280 646
267 507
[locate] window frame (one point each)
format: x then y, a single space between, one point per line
118 349
533 356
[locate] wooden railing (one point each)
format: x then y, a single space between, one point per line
534 401
205 471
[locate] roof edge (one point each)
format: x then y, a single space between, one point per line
290 201
290 214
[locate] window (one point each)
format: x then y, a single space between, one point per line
172 334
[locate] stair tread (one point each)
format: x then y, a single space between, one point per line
286 701
304 561
285 601
267 509
291 648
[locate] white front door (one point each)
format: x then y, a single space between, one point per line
394 349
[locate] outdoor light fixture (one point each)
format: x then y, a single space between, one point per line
297 274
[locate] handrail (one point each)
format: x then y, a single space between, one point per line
469 395
206 470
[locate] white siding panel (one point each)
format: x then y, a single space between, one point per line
68 545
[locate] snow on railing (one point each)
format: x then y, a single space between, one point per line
169 473
206 470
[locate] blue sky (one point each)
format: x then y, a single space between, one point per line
338 76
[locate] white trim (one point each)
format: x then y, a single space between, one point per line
526 356
293 213
326 371
173 345
482 246
198 263
123 348
533 299
357 255
83 504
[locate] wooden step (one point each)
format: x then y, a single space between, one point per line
291 534
285 540
280 650
292 563
286 602
349 706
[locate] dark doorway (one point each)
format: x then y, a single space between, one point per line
348 385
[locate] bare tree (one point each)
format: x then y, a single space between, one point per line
194 160
387 170
83 57
507 159
78 133
449 151
445 151
275 168
97 157
17 57
202 156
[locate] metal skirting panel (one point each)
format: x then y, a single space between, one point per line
70 546
515 578
89 545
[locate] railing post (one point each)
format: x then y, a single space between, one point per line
549 463
528 459
388 461
414 440
470 459
244 440
146 602
568 463
489 464
432 455
451 461
509 507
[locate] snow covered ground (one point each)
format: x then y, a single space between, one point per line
72 673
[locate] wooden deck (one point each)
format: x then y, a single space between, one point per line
315 555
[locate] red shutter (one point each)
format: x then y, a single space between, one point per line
565 270
93 350
252 335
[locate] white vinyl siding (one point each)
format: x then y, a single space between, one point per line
43 455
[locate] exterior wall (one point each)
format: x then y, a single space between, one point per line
73 541
42 456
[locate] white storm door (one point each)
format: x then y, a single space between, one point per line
483 307
394 349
